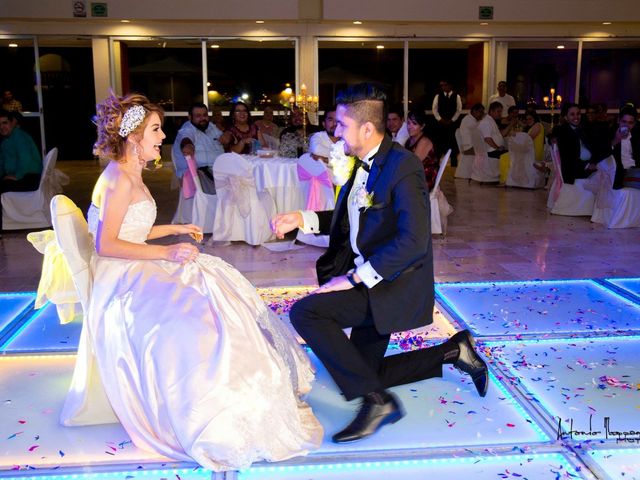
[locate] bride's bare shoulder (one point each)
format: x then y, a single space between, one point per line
112 179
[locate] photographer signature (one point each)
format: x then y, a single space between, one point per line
621 436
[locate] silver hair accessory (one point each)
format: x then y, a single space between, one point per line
131 120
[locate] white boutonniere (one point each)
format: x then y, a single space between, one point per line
362 199
341 164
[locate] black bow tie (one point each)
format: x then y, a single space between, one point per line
365 166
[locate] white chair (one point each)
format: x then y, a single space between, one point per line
614 208
566 199
315 181
86 403
522 172
22 210
243 213
485 168
200 208
440 207
465 162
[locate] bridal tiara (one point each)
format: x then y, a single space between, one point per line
131 120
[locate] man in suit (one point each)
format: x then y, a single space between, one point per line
625 144
580 149
377 274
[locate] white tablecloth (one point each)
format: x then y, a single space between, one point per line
279 176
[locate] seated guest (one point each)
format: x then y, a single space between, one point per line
327 137
267 126
626 144
580 148
468 124
199 138
20 161
218 119
490 131
240 136
422 146
396 126
510 125
292 138
533 127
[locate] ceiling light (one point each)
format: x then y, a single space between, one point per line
379 47
259 21
125 21
215 46
484 24
606 23
357 22
560 47
13 45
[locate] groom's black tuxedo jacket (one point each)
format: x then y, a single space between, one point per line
394 235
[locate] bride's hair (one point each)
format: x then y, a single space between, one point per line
110 145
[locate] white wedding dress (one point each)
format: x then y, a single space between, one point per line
194 364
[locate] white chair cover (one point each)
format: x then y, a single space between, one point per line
440 207
243 213
485 168
22 210
315 181
613 208
86 403
567 199
522 172
465 162
200 209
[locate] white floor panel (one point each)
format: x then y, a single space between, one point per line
619 464
631 285
589 387
534 308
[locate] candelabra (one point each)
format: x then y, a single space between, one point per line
307 103
552 102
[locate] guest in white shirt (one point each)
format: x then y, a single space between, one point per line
467 126
199 138
396 126
489 130
323 141
625 145
503 97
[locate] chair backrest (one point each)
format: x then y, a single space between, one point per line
312 166
479 144
48 165
231 164
443 165
192 169
555 158
458 136
72 235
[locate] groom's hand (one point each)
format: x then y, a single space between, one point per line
337 283
286 222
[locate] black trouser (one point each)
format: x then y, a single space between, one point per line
28 183
357 364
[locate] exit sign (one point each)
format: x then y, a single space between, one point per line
99 10
485 13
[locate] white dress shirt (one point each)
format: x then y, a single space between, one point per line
207 146
364 269
626 153
434 106
402 135
467 125
506 101
489 129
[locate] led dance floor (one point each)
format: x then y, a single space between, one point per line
550 364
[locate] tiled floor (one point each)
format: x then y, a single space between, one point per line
545 342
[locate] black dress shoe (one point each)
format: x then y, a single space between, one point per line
470 362
370 418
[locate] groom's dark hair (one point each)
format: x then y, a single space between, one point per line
365 102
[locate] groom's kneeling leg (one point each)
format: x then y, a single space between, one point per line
319 319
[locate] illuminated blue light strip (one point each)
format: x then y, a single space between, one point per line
621 289
184 472
626 338
542 436
387 464
23 326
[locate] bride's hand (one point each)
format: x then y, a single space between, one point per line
193 231
181 252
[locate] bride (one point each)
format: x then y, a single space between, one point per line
193 363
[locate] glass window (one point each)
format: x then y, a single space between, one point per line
536 67
430 62
17 58
341 64
610 73
253 71
168 71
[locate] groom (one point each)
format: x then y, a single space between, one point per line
377 274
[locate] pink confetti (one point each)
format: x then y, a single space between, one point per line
33 447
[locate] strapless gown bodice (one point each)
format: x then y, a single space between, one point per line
136 224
